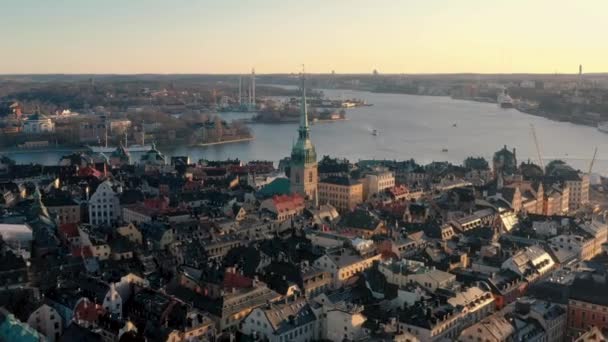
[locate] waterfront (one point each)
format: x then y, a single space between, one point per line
408 126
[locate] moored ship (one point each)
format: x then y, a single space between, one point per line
504 100
109 149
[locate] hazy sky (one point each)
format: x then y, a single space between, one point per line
231 36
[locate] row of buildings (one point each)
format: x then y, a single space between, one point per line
103 249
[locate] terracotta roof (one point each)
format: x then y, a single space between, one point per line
236 280
87 311
90 172
399 190
288 202
69 230
82 252
160 203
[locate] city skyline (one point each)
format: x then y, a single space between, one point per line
230 37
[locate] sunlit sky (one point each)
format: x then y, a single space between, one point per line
275 36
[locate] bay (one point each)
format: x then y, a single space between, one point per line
408 126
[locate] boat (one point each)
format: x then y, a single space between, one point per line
603 126
110 149
504 100
444 150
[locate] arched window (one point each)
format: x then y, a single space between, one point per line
310 176
297 178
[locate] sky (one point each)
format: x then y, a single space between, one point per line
278 36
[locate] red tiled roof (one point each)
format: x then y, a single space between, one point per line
84 251
386 255
69 230
90 172
397 209
288 202
160 203
236 280
87 311
399 190
142 209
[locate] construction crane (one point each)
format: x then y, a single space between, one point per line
592 160
540 158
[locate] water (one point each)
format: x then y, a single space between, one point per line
409 126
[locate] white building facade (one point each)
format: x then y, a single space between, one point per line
104 205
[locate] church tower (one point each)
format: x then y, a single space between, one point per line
303 175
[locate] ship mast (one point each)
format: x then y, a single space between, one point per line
253 89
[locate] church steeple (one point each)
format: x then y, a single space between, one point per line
303 167
304 130
303 151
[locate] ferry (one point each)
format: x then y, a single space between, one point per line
110 149
504 100
603 126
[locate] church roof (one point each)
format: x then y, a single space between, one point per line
279 186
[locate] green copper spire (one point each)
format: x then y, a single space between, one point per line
304 129
303 151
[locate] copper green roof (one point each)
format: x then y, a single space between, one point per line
279 186
11 329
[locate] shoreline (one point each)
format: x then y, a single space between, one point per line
329 121
223 142
43 150
253 122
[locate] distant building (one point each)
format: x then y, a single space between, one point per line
504 161
47 321
282 321
579 191
588 304
344 264
341 192
376 182
38 123
63 207
93 131
531 263
104 205
284 207
406 272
